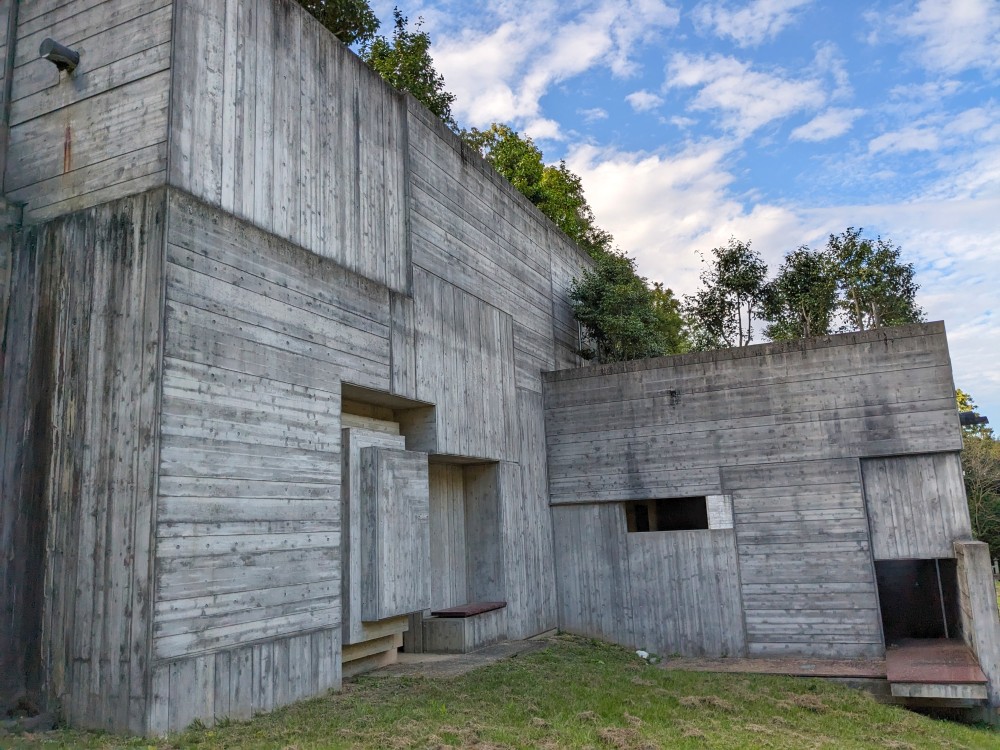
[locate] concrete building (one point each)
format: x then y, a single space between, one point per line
278 380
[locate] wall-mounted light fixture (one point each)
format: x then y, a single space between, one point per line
62 57
971 419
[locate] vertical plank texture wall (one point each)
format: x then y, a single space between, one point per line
82 354
275 121
916 505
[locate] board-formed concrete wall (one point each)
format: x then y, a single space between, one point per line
78 403
81 140
245 260
784 430
276 229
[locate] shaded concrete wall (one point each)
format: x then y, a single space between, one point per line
319 233
783 430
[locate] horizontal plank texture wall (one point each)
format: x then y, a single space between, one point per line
780 428
259 336
805 559
275 121
83 139
472 229
81 353
916 505
677 419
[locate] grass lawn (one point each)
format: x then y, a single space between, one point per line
573 694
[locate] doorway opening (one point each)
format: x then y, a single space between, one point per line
918 599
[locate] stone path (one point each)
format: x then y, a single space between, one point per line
456 665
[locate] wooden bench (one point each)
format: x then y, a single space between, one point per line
466 628
468 610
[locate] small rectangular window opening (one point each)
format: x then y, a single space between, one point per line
666 514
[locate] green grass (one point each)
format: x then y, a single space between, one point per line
573 694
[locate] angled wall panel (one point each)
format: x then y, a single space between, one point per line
395 519
916 505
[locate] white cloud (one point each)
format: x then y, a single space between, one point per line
746 99
501 61
961 148
832 123
643 101
750 25
543 129
953 35
664 207
830 61
905 141
593 115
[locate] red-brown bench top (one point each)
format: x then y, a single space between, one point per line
468 610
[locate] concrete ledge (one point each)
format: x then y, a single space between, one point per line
968 692
462 635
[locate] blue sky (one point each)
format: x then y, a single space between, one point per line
775 121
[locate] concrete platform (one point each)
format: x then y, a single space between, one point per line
456 665
462 635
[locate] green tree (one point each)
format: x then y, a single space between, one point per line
515 157
350 20
563 201
556 190
671 322
801 300
405 62
981 469
616 308
723 311
877 288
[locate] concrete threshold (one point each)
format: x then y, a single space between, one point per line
455 665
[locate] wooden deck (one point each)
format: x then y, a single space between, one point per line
933 662
918 672
869 669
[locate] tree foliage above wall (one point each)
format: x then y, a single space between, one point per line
801 300
855 283
405 62
981 467
556 190
351 21
876 288
622 316
725 308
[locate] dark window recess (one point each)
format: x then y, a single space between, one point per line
915 601
668 514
